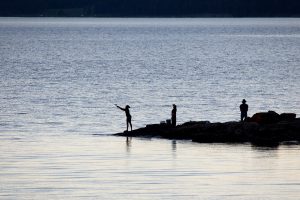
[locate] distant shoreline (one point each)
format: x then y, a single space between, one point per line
109 16
151 8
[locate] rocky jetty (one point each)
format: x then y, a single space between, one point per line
266 129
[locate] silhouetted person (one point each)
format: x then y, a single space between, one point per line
128 116
244 110
173 115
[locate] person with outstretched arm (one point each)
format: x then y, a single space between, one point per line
128 116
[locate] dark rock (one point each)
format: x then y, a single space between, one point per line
290 142
269 134
190 123
265 117
265 129
250 128
287 116
266 142
248 119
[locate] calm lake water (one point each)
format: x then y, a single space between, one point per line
60 79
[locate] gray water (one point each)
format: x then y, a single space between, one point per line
60 79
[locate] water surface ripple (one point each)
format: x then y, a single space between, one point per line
60 79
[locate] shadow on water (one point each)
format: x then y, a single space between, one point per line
264 148
286 144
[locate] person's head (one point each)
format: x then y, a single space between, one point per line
174 106
127 106
244 101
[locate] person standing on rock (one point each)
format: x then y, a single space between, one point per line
244 110
128 116
173 115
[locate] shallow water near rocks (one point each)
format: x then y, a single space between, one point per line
60 79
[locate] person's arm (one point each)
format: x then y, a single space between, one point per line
120 107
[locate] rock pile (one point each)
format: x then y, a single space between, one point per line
266 128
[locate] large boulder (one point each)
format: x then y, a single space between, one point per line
266 117
287 116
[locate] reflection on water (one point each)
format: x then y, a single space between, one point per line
98 167
265 148
174 145
128 144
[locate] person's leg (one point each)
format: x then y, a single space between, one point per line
173 121
127 124
129 121
242 116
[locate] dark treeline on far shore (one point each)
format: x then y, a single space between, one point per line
151 8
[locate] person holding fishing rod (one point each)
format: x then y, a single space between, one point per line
128 116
